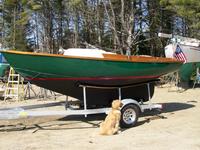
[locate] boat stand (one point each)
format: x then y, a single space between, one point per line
150 105
27 91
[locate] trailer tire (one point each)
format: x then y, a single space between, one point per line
129 116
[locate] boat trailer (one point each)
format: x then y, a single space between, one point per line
130 110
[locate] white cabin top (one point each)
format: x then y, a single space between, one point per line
84 52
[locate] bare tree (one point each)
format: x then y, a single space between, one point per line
126 37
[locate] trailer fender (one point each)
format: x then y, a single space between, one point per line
131 101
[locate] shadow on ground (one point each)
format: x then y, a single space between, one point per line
176 106
171 108
92 121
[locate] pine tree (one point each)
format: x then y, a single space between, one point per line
188 15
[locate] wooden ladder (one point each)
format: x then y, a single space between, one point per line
12 86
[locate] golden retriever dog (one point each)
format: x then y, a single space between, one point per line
111 124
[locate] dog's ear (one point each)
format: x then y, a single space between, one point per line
116 104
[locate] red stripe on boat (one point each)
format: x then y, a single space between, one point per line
96 78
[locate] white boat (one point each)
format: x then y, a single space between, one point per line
187 50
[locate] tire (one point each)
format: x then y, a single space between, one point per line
129 116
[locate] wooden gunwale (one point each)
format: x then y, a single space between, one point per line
107 57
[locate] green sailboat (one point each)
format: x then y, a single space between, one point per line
65 73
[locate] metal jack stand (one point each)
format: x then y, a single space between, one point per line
27 91
44 93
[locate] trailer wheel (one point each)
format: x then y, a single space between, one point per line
129 115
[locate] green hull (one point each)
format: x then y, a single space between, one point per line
186 71
65 74
55 67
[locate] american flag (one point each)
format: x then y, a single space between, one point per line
178 54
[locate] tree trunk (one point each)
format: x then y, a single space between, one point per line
75 29
14 26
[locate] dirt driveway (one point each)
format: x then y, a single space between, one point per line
177 127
